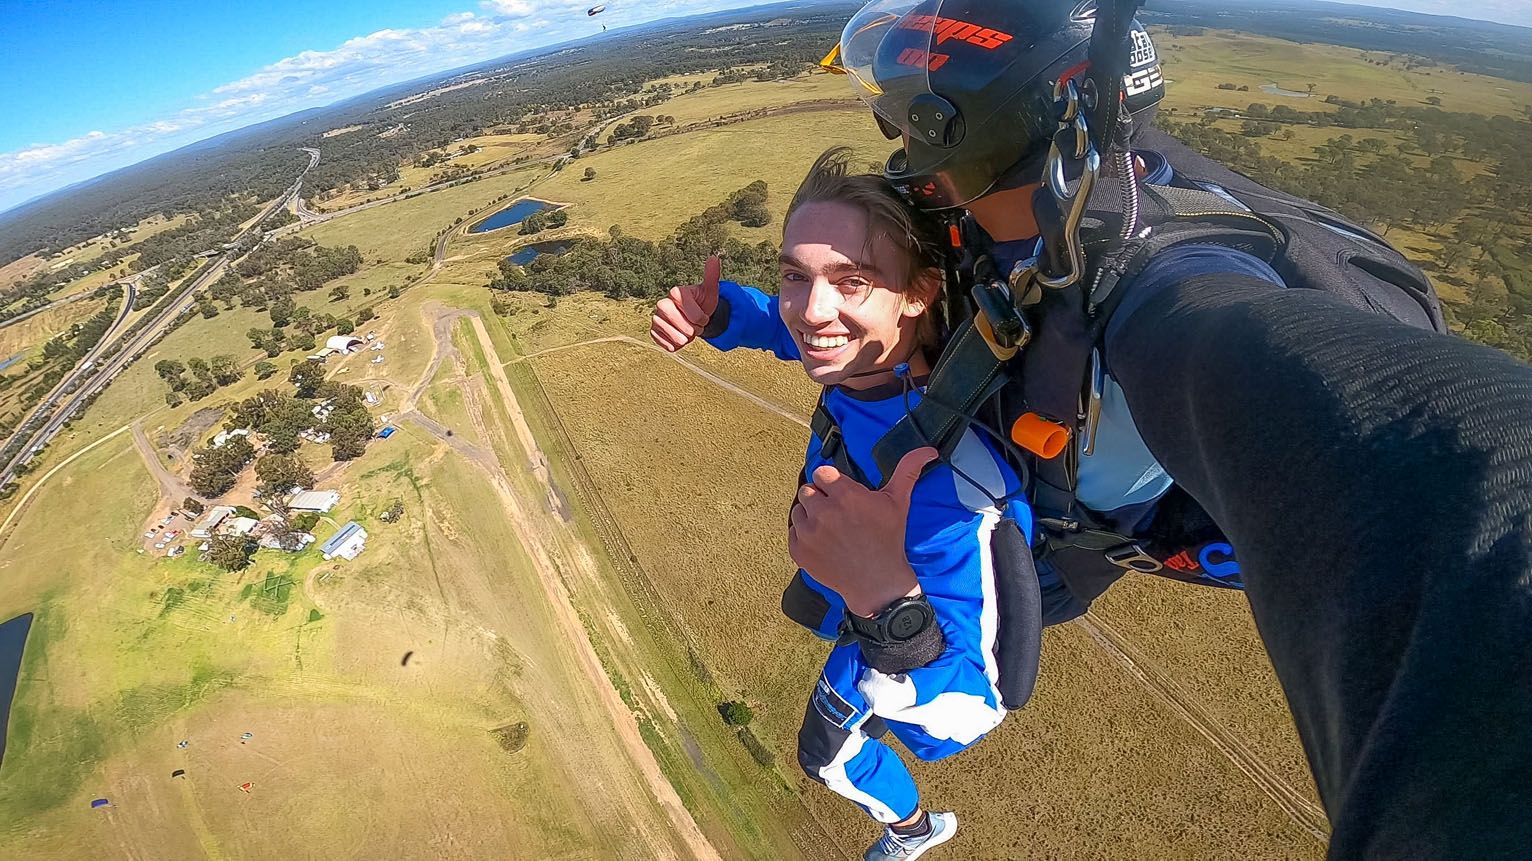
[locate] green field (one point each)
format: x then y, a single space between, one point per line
649 188
1196 65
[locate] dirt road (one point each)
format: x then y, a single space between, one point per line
555 552
172 488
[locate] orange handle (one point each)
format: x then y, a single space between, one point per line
1042 437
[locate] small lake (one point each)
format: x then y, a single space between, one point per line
1275 90
13 636
527 254
516 213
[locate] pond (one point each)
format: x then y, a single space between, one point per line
516 213
526 254
1275 90
13 636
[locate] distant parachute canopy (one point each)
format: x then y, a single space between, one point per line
99 802
594 11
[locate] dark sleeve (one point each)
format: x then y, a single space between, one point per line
1376 482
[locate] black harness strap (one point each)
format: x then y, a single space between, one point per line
969 372
832 444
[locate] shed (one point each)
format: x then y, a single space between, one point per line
240 526
348 543
314 500
210 520
344 343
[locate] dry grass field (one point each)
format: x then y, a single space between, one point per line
700 486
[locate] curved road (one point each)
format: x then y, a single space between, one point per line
97 378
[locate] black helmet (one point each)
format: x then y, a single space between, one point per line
969 84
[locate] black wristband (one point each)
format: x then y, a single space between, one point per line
719 321
901 657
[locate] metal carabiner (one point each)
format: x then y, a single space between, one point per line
1074 135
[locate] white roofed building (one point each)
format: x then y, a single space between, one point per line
314 500
210 520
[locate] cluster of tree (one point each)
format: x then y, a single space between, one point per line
231 552
150 291
280 419
82 337
634 128
207 376
622 266
300 262
776 70
349 424
216 468
617 107
546 219
278 474
1411 175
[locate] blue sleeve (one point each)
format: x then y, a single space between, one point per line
753 322
1187 261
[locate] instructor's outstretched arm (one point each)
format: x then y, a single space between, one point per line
1376 482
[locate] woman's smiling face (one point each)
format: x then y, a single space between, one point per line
843 294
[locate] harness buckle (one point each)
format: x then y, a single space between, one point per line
1133 557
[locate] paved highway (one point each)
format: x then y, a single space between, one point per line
97 377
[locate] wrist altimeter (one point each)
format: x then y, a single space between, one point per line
900 622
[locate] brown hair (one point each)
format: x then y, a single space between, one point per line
917 233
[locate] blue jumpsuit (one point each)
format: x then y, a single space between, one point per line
950 703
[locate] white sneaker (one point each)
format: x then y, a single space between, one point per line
892 847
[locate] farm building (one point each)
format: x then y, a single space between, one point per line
348 543
239 527
314 500
344 344
210 520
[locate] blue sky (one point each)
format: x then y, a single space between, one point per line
90 86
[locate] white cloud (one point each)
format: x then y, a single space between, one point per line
313 78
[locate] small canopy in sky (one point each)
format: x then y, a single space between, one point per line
595 10
100 802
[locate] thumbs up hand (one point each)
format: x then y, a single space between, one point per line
851 539
681 316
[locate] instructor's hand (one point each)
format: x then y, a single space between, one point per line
680 317
851 539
